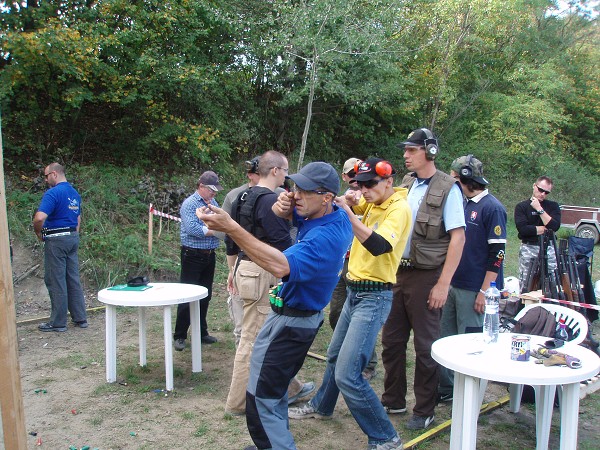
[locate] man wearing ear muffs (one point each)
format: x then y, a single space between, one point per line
481 262
423 279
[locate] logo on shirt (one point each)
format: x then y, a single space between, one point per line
73 205
497 230
473 216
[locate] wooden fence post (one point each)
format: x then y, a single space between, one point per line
11 399
150 231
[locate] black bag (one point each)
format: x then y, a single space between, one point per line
538 321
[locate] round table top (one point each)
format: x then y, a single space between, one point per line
461 354
160 294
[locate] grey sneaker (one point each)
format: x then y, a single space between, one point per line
179 344
82 324
392 410
48 327
395 443
419 422
306 390
305 412
369 374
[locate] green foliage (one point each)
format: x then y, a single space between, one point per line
183 84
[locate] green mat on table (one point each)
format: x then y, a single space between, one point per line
124 287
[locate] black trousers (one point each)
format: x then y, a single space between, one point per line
196 268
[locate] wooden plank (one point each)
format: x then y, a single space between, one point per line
11 399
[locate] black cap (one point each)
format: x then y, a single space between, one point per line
367 170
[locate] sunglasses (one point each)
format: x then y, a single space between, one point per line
542 191
303 192
370 183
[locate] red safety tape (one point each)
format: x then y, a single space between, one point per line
566 302
161 214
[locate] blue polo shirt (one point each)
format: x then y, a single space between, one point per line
62 204
316 260
485 217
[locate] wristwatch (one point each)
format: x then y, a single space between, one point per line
540 211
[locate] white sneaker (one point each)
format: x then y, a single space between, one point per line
305 412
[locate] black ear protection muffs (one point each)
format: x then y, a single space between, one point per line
138 281
431 145
252 165
466 170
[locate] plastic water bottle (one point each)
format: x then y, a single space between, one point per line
491 320
562 331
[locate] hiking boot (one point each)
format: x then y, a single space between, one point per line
179 344
82 324
307 389
395 443
419 422
305 412
48 327
392 410
208 339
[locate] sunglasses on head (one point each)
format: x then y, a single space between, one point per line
542 191
370 183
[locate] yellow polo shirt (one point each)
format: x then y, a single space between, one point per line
392 221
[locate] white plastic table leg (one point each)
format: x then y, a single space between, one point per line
544 401
111 343
569 412
457 411
168 346
196 339
516 393
471 412
482 387
142 334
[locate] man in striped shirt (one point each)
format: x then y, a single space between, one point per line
198 245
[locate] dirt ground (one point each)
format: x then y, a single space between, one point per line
68 403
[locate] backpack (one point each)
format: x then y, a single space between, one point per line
538 321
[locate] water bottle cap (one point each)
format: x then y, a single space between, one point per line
492 284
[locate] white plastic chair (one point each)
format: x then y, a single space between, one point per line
579 326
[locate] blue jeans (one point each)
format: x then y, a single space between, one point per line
61 275
352 344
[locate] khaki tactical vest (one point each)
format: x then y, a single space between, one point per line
430 240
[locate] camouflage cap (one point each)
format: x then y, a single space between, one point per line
469 167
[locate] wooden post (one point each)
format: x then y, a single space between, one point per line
11 399
150 225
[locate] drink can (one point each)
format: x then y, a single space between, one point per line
519 349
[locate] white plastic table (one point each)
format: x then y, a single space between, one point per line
472 371
160 294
